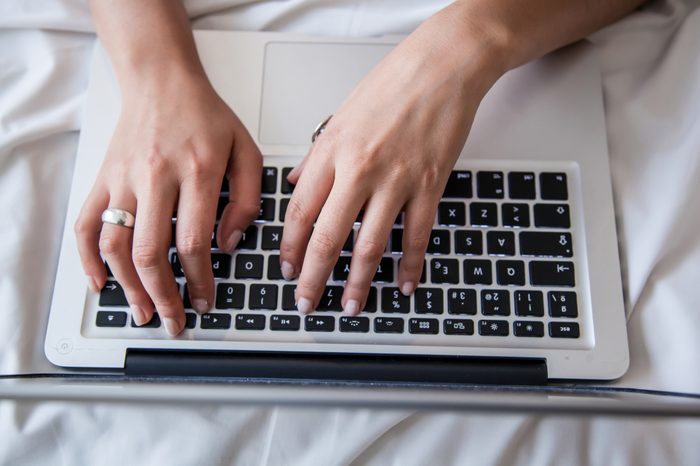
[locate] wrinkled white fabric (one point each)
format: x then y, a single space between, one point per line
651 75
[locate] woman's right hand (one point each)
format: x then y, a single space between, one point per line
174 142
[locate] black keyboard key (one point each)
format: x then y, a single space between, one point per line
224 187
348 244
458 327
552 273
483 214
529 303
221 265
510 272
498 328
553 186
109 271
477 272
267 209
220 206
274 270
153 323
288 300
112 295
461 301
469 242
439 242
459 184
396 240
429 301
271 238
388 325
552 215
452 214
354 324
489 185
521 185
341 270
423 326
319 323
528 328
216 321
263 297
562 304
287 322
444 271
500 243
229 295
546 244
330 299
371 303
269 180
110 319
190 320
564 330
249 266
495 302
250 322
249 240
284 203
385 271
515 215
287 187
394 301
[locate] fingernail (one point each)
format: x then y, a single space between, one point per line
138 315
305 305
92 283
407 288
171 326
352 307
201 305
233 240
287 270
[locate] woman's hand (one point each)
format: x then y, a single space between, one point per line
389 147
173 144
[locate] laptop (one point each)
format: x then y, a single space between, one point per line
522 281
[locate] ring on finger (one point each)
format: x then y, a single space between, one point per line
120 217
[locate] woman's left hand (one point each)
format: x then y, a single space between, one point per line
390 147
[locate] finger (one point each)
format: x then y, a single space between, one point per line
307 200
87 233
293 176
332 228
115 244
195 221
368 250
244 174
418 224
150 254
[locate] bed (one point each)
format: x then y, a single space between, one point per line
651 75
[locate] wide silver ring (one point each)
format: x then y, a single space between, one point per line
120 217
320 128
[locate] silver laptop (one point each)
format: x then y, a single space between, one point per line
522 280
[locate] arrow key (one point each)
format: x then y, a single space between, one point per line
250 322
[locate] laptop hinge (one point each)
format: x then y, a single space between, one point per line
335 367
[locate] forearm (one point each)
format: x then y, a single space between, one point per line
146 40
521 31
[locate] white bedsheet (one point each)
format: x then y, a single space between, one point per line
651 74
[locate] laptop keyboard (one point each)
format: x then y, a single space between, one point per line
504 267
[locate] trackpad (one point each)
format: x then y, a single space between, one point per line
303 83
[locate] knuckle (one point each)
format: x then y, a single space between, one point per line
430 177
297 212
154 160
111 245
146 255
324 244
369 250
190 245
81 227
250 210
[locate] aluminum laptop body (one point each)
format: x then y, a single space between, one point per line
545 118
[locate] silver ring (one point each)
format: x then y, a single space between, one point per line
120 217
320 128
